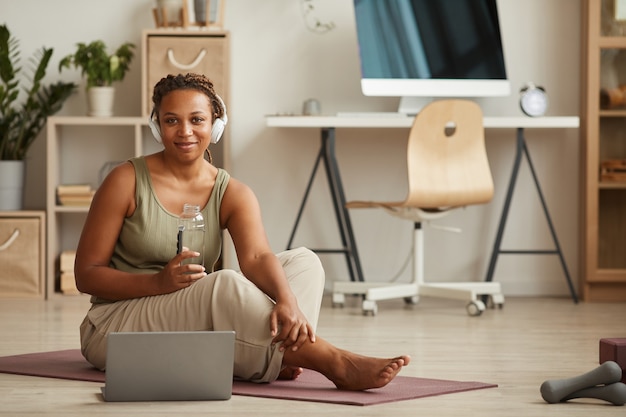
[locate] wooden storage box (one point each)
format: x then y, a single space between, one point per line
22 237
182 51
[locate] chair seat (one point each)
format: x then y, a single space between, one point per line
401 210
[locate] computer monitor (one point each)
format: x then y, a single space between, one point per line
423 49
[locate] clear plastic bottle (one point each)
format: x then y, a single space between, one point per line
191 233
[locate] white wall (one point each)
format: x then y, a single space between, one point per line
277 63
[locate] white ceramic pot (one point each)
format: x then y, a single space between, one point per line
11 185
100 101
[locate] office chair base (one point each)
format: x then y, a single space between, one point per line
473 292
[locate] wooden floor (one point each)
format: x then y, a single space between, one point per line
528 341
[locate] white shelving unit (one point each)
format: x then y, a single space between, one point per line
77 149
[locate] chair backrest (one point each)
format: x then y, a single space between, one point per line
446 156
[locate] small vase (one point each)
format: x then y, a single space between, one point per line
199 8
11 185
100 101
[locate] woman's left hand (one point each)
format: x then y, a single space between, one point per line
294 327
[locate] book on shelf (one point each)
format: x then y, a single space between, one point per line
66 260
66 267
75 200
68 283
75 194
73 188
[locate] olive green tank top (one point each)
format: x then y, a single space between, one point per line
148 238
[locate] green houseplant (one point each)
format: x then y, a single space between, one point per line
101 70
25 104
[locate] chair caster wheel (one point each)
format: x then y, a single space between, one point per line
369 308
497 301
411 300
338 300
475 308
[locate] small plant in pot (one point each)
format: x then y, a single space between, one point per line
100 70
25 105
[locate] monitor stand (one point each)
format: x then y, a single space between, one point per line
412 105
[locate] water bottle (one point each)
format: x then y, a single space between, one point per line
191 233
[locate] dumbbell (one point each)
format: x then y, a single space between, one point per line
614 393
557 390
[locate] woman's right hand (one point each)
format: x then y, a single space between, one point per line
176 276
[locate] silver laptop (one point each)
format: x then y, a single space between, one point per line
169 366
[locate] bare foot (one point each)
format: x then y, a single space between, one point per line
361 372
290 373
347 370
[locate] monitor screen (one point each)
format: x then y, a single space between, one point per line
426 48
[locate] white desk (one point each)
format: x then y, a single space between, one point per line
327 126
361 122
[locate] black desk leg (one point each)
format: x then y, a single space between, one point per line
522 150
349 249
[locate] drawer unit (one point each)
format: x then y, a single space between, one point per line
22 237
180 52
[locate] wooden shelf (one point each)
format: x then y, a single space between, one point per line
603 232
59 216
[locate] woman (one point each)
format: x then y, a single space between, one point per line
126 258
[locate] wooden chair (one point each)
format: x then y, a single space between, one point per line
447 169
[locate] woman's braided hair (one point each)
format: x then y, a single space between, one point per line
189 81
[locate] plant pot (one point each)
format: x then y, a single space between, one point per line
100 101
11 185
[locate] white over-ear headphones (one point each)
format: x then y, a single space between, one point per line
216 131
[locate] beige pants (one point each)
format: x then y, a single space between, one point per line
223 300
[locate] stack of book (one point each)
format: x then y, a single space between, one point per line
66 265
75 194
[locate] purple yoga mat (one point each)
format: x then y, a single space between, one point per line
310 386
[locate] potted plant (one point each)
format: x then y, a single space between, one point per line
101 70
22 117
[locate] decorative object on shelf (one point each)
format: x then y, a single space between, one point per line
200 12
611 92
101 70
21 121
106 169
533 100
175 13
169 12
311 107
312 22
613 170
611 98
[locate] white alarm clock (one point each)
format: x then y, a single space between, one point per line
533 100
